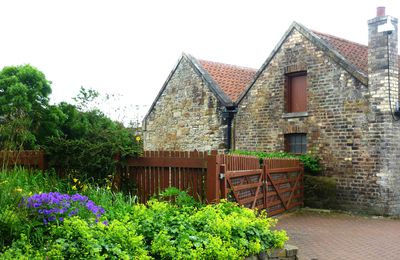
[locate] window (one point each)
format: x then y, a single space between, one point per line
296 92
296 143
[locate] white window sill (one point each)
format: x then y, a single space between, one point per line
296 114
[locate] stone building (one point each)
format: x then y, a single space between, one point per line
316 93
195 106
334 98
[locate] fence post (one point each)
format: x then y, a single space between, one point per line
42 164
265 183
222 180
301 165
213 167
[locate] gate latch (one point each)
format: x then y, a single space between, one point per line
221 176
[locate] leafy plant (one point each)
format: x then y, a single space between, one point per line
311 162
221 231
76 239
179 197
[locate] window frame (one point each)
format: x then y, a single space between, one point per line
302 144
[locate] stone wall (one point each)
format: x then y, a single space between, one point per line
186 115
337 121
289 252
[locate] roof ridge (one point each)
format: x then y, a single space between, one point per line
339 38
228 64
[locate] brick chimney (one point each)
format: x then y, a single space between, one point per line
382 38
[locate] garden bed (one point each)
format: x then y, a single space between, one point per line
42 216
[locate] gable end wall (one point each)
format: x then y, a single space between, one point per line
186 116
337 126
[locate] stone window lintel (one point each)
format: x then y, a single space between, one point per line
295 114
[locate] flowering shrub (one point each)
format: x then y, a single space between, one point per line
54 206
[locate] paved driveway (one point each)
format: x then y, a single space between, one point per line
339 236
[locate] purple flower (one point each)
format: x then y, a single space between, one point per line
53 205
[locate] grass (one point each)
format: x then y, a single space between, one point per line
16 183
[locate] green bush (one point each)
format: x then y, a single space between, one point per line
218 231
311 162
89 145
75 239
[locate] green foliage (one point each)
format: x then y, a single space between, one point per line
75 239
14 185
311 162
89 143
24 92
77 138
90 160
22 249
116 204
91 147
263 155
222 231
178 197
159 230
85 97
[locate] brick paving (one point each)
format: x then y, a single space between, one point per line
326 236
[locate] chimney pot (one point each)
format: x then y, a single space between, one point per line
380 11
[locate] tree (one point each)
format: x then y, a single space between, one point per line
24 103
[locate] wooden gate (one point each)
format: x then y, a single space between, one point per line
285 188
242 180
276 186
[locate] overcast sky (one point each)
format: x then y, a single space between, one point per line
129 47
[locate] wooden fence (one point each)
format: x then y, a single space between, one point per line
157 170
275 185
27 158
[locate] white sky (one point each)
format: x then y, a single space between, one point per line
130 47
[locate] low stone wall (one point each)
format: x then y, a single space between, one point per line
289 252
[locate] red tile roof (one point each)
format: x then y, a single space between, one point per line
355 53
230 78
